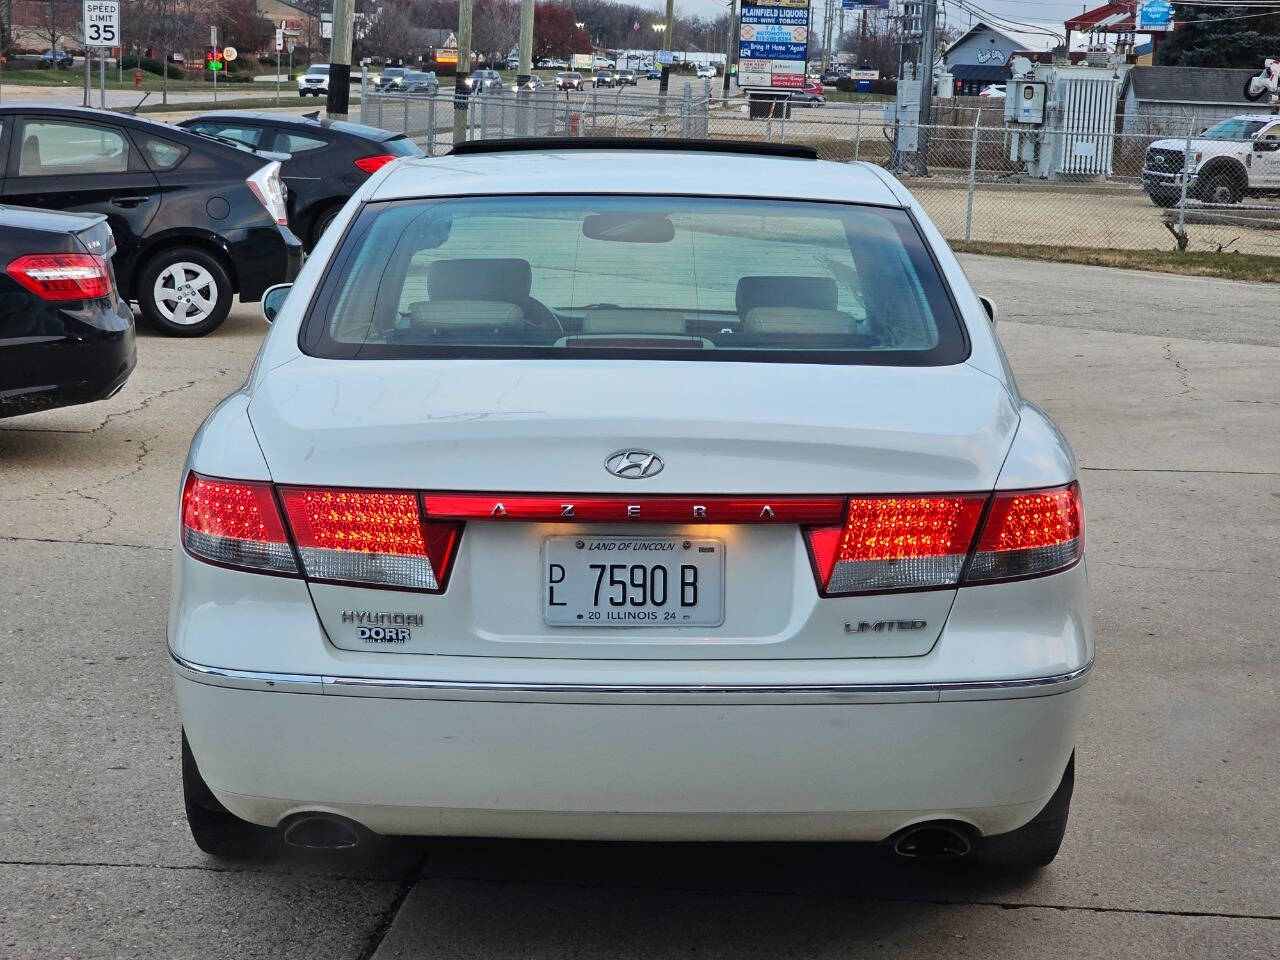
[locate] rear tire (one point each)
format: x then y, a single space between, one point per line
322 224
216 831
1164 198
184 292
1035 844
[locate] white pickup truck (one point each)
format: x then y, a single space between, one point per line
1226 161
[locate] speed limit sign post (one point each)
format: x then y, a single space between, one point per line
101 30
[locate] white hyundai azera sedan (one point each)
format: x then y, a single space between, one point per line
638 491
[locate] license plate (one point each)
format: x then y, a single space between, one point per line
633 582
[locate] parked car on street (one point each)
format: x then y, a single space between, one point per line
786 556
706 72
569 80
327 159
66 337
56 58
315 81
810 95
1234 158
625 78
604 78
994 91
196 220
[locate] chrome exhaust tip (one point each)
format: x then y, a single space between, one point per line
321 831
937 840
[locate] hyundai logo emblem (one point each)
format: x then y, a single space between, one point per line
633 464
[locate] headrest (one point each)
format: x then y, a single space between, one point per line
508 280
30 162
632 321
797 320
485 314
817 293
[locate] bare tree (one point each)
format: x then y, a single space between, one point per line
56 21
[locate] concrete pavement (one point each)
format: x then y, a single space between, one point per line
1168 388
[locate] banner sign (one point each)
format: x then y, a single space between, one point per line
1154 16
773 44
864 4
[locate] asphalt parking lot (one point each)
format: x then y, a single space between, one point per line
1169 389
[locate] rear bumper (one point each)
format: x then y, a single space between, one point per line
87 364
701 763
264 257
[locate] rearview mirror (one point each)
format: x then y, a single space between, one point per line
273 300
989 305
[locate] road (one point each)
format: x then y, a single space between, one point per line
1169 389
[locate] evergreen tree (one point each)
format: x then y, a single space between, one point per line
1208 38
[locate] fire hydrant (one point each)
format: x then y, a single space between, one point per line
137 79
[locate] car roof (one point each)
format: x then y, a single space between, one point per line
648 172
1260 117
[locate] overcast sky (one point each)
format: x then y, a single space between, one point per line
1034 11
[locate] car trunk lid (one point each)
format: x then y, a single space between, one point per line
523 431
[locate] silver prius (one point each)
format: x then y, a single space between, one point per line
649 491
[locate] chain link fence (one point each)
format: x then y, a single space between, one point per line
1152 184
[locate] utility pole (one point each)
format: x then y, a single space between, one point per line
460 90
526 43
668 30
731 48
928 44
344 15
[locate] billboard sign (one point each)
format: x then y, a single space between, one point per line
773 44
1154 16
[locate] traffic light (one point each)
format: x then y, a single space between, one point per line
213 59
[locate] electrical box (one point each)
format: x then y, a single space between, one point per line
1024 101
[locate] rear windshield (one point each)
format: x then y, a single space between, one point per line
635 277
402 146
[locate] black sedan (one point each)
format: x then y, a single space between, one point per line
196 220
65 335
328 159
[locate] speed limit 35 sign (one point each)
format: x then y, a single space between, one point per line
102 23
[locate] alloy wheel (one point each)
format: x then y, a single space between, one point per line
185 293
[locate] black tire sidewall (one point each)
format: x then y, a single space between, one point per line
322 224
166 258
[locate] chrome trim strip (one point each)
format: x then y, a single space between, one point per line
314 683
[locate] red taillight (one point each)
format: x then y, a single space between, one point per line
374 164
1028 533
896 543
62 276
235 523
368 536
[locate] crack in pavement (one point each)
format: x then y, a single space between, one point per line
1181 370
87 543
204 868
1242 473
1156 566
146 402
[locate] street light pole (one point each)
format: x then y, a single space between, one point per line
339 99
668 29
